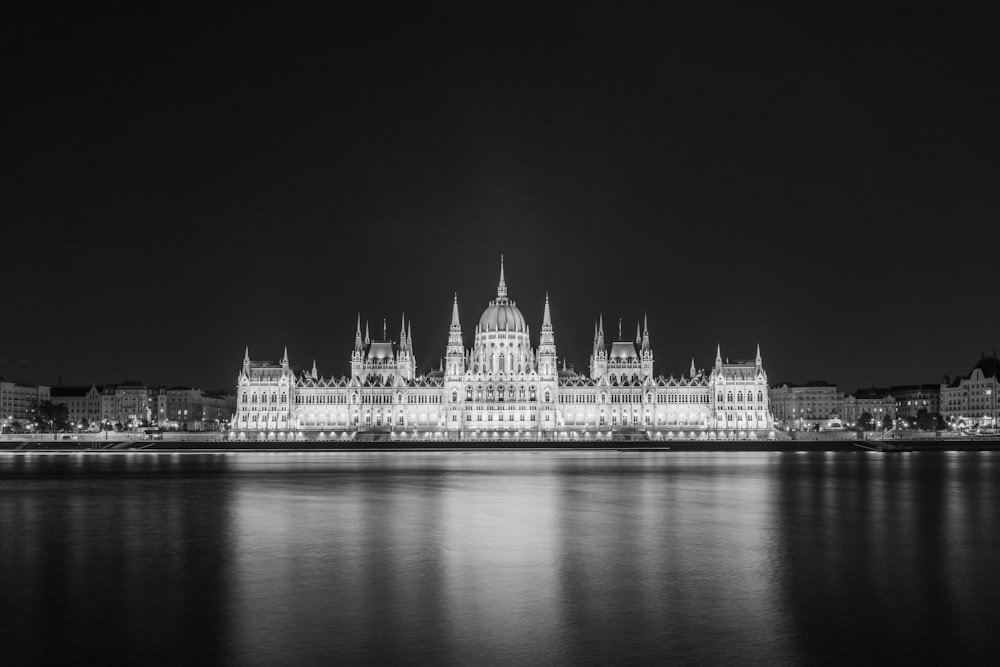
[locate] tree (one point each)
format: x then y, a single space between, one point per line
925 420
887 422
52 417
866 422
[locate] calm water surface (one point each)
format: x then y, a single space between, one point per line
591 557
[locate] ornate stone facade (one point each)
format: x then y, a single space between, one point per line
502 388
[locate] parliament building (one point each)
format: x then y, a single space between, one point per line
502 388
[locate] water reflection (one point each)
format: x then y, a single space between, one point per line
460 558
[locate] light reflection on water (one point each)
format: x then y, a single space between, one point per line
572 557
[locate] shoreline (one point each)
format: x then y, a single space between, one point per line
28 448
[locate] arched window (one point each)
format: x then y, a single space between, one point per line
760 397
521 393
548 397
454 397
720 398
468 393
531 394
729 397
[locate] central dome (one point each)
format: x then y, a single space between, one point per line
502 315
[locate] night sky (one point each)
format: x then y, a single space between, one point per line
179 182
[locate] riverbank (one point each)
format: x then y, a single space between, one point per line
14 447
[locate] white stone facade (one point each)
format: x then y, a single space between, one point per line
502 389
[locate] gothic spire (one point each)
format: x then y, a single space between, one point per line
402 333
502 286
246 355
718 355
638 335
284 358
368 338
409 336
693 371
455 324
315 375
645 333
758 355
357 335
547 339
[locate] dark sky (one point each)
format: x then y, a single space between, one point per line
178 182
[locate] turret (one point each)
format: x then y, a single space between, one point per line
645 335
547 343
455 352
314 374
693 372
284 359
357 336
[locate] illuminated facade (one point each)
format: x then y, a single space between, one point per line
501 388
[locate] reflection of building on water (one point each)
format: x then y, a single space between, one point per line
502 388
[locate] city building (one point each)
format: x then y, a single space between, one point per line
911 399
83 403
805 406
127 404
502 388
189 409
877 402
971 401
19 401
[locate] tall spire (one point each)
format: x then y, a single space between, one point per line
315 375
502 286
246 355
384 335
693 371
455 324
455 347
619 327
718 355
284 358
600 331
638 335
547 340
402 333
758 355
409 336
357 335
368 338
645 333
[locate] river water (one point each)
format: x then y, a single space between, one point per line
500 557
